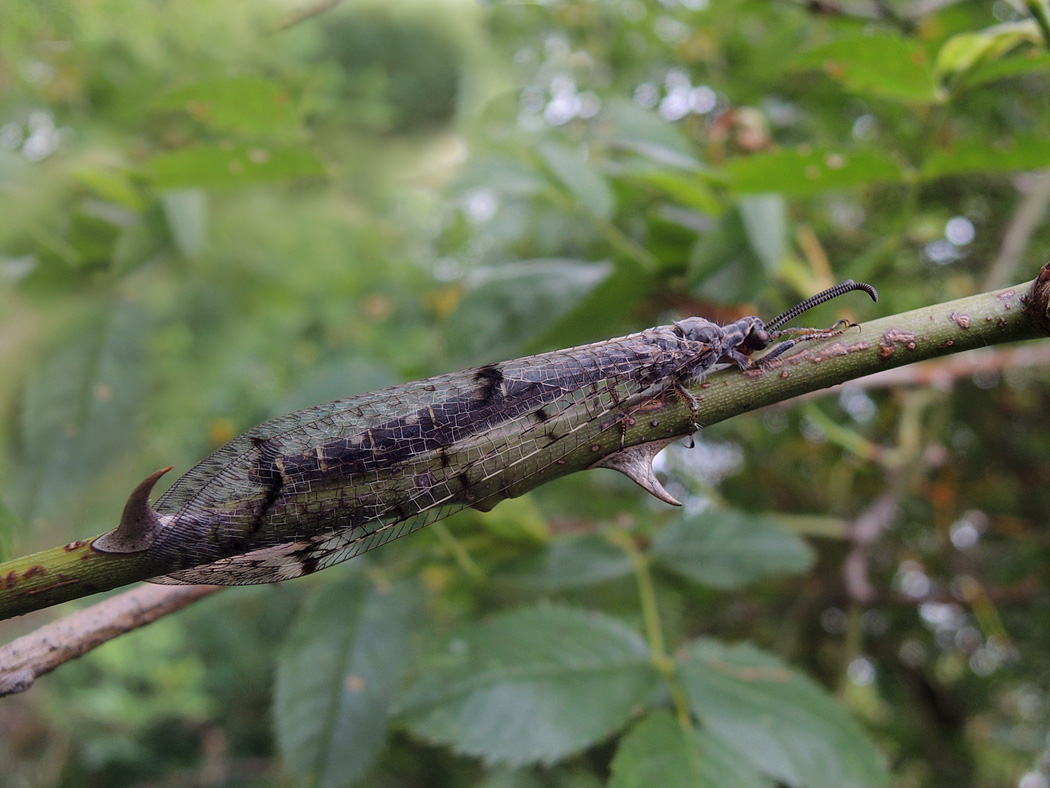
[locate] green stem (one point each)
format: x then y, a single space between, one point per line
458 552
1037 8
69 572
647 598
841 436
661 660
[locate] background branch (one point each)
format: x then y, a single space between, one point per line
1026 219
41 651
944 373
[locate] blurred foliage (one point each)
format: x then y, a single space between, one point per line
216 213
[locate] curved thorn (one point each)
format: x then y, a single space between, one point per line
636 463
138 524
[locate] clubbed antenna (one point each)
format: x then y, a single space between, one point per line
832 292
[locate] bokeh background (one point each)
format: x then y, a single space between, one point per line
215 213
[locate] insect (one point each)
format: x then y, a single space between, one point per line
318 486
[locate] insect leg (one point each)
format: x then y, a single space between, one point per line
819 333
806 335
694 406
625 419
742 360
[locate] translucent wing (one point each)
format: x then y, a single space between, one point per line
318 486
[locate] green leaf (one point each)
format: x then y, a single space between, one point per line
336 677
186 211
516 520
247 104
686 189
105 692
627 125
657 752
878 65
9 523
804 171
501 173
150 235
79 406
1031 62
569 562
210 166
729 549
765 224
512 778
509 304
580 178
965 51
94 231
777 719
568 776
724 265
338 375
603 312
532 685
819 525
112 185
1018 152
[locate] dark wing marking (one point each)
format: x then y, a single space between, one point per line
321 485
278 562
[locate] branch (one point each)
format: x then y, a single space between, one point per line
864 533
1035 199
43 650
942 374
1037 10
76 569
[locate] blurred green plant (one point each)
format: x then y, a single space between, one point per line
209 221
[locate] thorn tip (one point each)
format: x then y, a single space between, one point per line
636 463
138 524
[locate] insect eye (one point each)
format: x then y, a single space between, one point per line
757 339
